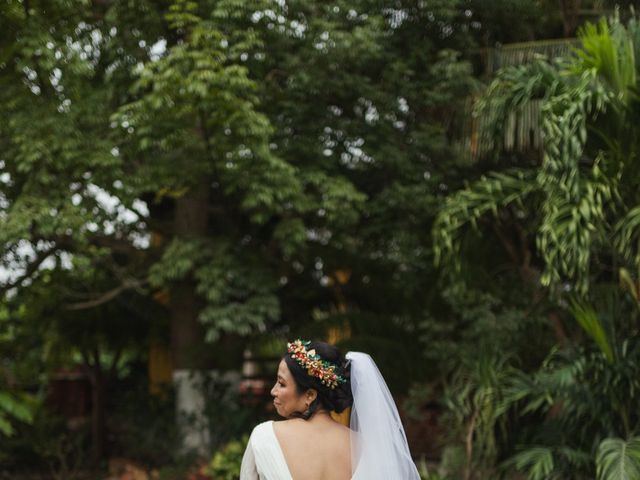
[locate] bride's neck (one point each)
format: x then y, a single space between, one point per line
321 415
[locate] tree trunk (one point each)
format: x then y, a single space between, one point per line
469 446
93 368
98 416
570 10
187 333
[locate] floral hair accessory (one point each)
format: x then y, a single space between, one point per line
314 365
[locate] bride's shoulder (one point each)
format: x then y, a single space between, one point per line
289 421
287 424
270 425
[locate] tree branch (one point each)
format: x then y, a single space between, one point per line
506 243
29 271
114 244
87 362
107 296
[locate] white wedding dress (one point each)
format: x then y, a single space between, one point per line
379 449
263 459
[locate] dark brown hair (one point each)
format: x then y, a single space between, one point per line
336 399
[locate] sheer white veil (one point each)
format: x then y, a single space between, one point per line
379 449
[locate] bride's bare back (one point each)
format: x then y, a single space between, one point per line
315 449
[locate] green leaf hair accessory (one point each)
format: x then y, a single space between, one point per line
314 365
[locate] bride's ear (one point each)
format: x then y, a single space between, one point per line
310 395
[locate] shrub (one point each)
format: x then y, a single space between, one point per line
225 464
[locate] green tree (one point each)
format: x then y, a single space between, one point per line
580 199
261 163
364 102
565 219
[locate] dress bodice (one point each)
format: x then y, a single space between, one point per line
263 459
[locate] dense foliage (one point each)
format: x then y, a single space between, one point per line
567 219
196 174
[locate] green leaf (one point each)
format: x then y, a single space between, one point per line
13 407
536 461
618 459
588 319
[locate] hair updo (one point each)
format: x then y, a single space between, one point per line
336 399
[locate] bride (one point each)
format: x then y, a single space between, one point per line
314 380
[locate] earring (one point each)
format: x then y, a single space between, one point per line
307 413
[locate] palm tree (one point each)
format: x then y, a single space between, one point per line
582 195
577 205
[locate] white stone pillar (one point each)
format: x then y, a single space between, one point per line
190 409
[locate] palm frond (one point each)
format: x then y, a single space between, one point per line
588 319
628 283
536 461
626 236
486 196
547 463
573 215
608 49
509 112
